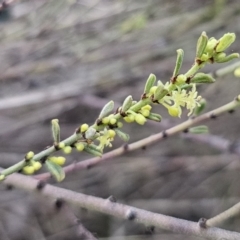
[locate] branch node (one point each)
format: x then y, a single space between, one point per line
131 215
202 223
164 134
59 203
41 185
112 199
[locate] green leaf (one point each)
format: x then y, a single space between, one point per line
202 78
107 109
56 171
199 129
124 136
179 61
149 83
55 130
201 44
155 117
93 149
127 104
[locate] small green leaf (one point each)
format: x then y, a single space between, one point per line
124 136
56 171
227 58
150 83
201 44
179 61
127 104
202 78
55 130
107 109
225 41
199 109
155 117
93 149
199 129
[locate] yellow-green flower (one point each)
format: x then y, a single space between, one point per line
192 100
105 138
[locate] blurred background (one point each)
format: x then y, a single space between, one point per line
65 59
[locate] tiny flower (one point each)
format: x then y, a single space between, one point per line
140 119
113 121
36 166
79 147
105 120
129 118
147 107
67 150
28 170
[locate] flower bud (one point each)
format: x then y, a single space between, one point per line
28 170
225 41
129 118
174 111
181 79
119 124
2 177
140 119
105 120
147 107
212 42
79 146
67 150
145 112
84 128
29 156
237 72
111 133
36 165
61 145
113 121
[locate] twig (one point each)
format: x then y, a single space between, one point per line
146 141
82 232
112 208
224 216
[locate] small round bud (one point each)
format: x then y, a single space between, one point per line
111 133
129 118
204 57
119 124
173 111
181 79
28 170
153 89
79 147
67 150
140 119
237 72
29 155
84 128
36 165
105 120
2 177
113 121
145 112
61 145
147 107
60 160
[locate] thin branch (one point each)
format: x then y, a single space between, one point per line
82 232
112 208
224 216
146 141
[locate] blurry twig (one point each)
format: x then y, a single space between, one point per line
106 206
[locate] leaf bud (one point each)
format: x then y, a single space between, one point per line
106 109
55 130
179 61
150 83
90 133
174 111
201 44
140 119
225 41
